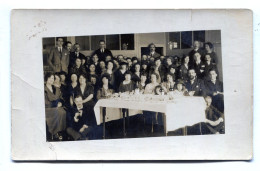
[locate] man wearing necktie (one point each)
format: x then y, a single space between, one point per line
58 59
102 52
152 53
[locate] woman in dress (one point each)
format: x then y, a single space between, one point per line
72 87
142 83
57 82
180 89
92 70
209 50
54 111
87 92
149 89
127 85
169 85
110 72
183 71
106 90
101 67
136 77
120 75
77 68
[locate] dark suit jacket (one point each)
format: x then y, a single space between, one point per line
102 56
183 73
59 61
73 57
192 52
199 69
209 67
197 86
210 88
155 55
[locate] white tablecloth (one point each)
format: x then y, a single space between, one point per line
183 111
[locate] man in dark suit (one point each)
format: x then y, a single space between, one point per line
79 125
76 54
197 48
194 86
209 65
214 89
102 52
68 46
199 66
58 59
152 52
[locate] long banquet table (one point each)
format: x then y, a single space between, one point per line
178 113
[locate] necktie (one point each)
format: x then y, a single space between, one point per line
60 51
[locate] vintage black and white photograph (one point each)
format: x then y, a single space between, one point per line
133 85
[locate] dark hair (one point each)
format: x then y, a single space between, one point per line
157 75
83 75
48 75
83 57
128 72
68 42
105 75
111 62
192 68
73 74
209 44
56 73
122 63
134 58
57 38
63 73
213 70
144 63
208 54
156 59
77 96
143 74
180 81
94 55
171 58
90 65
172 75
183 58
93 76
151 45
77 58
102 41
158 86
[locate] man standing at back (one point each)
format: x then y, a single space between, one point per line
102 52
59 57
152 52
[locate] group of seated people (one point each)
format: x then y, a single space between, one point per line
70 96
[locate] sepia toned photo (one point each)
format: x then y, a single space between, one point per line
136 85
142 85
